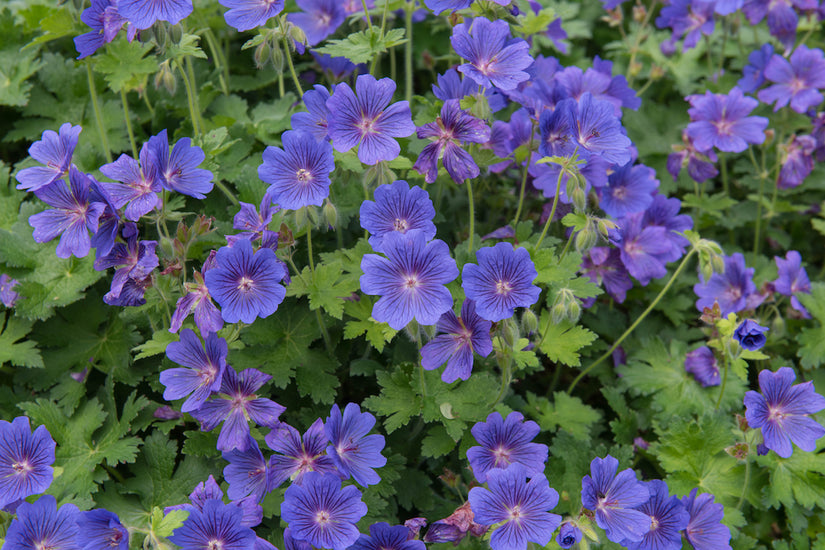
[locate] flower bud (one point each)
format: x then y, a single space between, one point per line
509 331
587 238
301 217
329 214
657 72
313 215
579 199
635 68
529 321
639 13
166 77
566 306
262 54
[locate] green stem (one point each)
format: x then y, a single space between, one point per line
195 99
524 174
724 165
148 103
220 60
747 482
190 100
281 90
408 51
506 378
309 251
226 191
566 247
757 241
726 366
552 210
472 214
638 39
104 140
320 318
288 55
423 381
128 123
366 13
724 43
636 323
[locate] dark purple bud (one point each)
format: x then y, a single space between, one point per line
167 413
414 526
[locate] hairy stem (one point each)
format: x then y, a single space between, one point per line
552 210
524 174
127 118
288 55
469 185
104 140
636 323
409 8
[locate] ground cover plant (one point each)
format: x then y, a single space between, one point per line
385 275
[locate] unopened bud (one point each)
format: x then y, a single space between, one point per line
182 232
778 326
738 451
770 134
657 72
579 199
313 215
160 34
329 214
165 77
558 313
179 248
635 68
587 238
202 225
262 54
297 34
301 217
718 263
529 321
566 306
510 332
285 236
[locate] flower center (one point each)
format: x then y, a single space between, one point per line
411 282
400 225
44 544
654 523
503 287
733 293
303 175
367 126
322 517
724 127
515 513
116 537
502 456
21 468
214 544
245 284
775 414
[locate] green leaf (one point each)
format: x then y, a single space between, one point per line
565 413
799 479
19 354
15 68
326 290
188 46
361 47
155 345
437 442
171 521
660 372
315 376
534 23
377 334
562 342
399 401
124 64
811 340
57 24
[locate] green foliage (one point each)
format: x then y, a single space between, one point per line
14 352
564 413
798 479
562 342
124 64
363 46
811 340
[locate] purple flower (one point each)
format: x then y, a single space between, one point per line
722 121
505 442
792 279
493 56
384 536
797 81
296 456
245 15
207 317
439 6
782 18
410 280
8 296
613 497
750 335
102 530
72 218
26 460
452 86
298 174
318 18
689 19
462 336
247 473
250 222
556 128
204 373
782 410
363 118
237 404
55 151
353 451
337 68
450 130
323 513
598 131
664 212
753 74
136 260
730 289
521 508
701 362
705 530
290 543
630 189
105 21
603 265
178 171
797 161
569 535
43 525
144 13
668 517
501 282
600 82
217 525
245 284
699 164
139 185
314 121
397 208
643 249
